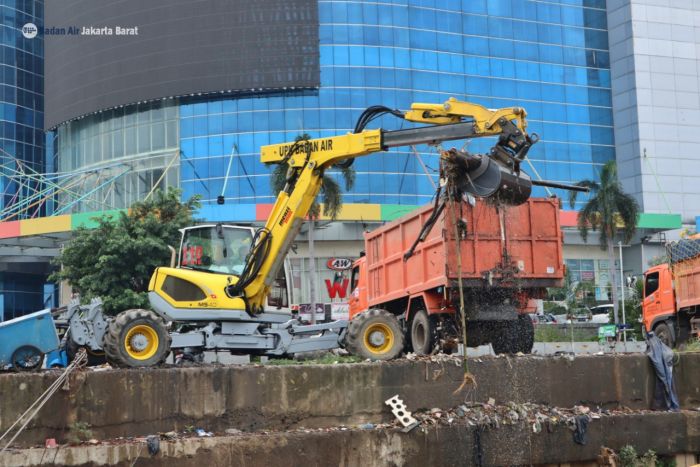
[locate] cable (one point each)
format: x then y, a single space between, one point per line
429 223
369 114
80 358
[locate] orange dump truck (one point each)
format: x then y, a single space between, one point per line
671 305
509 256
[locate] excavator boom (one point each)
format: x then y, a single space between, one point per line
308 159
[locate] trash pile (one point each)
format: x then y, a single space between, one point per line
539 417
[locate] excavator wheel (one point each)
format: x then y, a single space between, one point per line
137 338
375 334
423 334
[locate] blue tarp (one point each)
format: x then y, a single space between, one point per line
661 357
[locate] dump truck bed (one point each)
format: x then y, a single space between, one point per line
525 240
685 264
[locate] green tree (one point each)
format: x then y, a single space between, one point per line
115 260
332 198
610 211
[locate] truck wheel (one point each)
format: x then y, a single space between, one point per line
524 334
665 334
27 358
137 338
375 334
502 336
422 333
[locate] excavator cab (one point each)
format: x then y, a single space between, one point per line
215 248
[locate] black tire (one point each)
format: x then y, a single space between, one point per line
665 334
501 336
27 358
375 334
423 333
524 334
137 338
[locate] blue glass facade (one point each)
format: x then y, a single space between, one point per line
21 95
21 138
549 57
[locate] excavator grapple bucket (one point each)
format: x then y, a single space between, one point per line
485 177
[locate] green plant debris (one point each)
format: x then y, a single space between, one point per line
329 359
78 432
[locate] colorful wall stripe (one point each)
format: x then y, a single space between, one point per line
260 212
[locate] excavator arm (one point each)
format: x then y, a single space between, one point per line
485 175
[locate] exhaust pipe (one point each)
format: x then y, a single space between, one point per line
173 256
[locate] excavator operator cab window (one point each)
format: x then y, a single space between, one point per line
215 248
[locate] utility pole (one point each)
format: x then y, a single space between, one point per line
622 287
312 271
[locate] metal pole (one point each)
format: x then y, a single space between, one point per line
622 286
312 270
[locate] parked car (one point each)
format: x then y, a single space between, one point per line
601 314
598 315
580 315
545 318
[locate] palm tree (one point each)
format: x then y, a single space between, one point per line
610 211
332 198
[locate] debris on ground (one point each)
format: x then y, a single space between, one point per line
541 419
398 408
153 444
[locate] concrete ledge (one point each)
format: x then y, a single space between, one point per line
140 402
435 446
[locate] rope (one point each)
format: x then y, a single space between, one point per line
33 409
468 377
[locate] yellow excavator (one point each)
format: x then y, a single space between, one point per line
214 297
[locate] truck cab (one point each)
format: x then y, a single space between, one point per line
357 303
659 303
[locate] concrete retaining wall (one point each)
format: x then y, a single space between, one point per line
435 446
140 402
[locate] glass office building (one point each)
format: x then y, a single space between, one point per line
549 57
21 94
21 138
